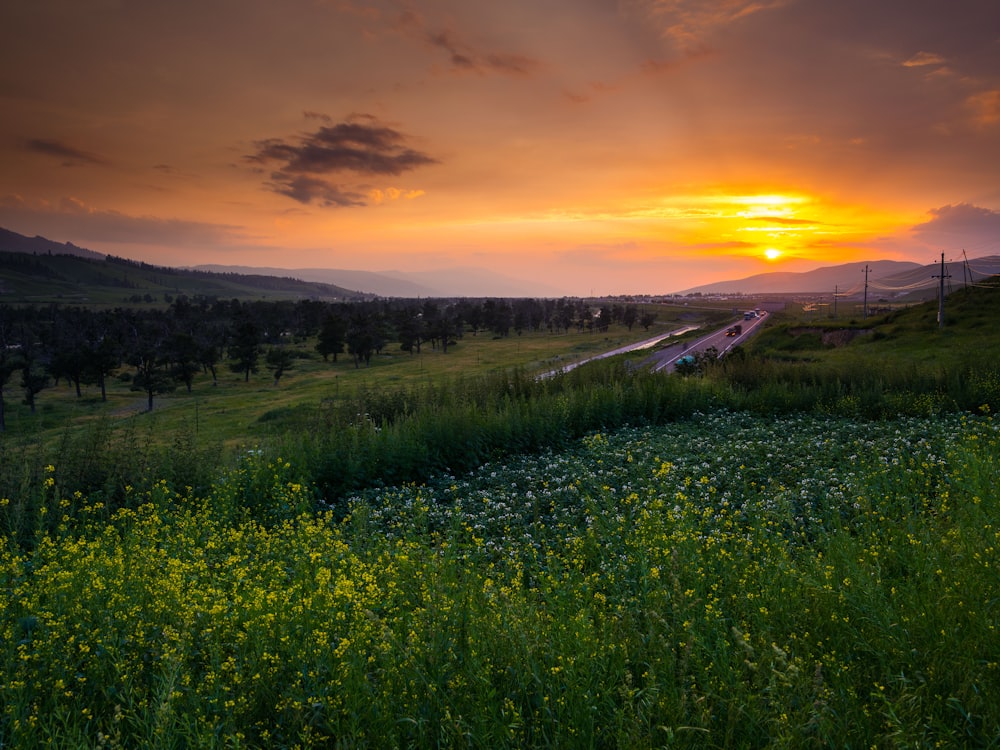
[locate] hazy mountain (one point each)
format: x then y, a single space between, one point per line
476 282
845 278
451 282
12 242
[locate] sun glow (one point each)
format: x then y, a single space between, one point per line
772 253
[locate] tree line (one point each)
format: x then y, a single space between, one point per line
160 350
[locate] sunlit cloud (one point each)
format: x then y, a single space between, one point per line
922 59
379 196
690 21
985 108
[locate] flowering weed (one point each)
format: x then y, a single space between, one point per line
726 581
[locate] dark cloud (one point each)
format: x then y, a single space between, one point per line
359 146
71 156
345 147
307 189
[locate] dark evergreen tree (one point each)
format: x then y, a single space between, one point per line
332 336
182 353
279 360
244 349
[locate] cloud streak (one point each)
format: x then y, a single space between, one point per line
464 58
70 155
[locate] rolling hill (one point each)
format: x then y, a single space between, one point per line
34 270
886 278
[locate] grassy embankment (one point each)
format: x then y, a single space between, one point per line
788 574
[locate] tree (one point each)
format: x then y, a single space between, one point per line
331 336
362 337
603 319
147 354
564 316
279 359
244 350
183 356
10 362
630 316
69 347
443 328
498 317
210 339
411 333
34 365
647 320
105 351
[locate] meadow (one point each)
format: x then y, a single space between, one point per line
791 550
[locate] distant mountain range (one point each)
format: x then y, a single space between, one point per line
12 242
450 282
886 278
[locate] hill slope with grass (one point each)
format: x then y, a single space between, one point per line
36 270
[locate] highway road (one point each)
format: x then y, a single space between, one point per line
637 346
665 359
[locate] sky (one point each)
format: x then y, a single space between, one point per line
593 146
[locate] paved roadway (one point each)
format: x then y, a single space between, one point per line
646 344
665 359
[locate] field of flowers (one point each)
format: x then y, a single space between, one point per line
724 581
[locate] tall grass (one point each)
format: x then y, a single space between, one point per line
410 433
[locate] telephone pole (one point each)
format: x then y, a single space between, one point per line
836 287
942 276
865 313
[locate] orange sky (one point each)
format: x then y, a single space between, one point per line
639 146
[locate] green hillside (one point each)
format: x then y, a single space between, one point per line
907 336
71 279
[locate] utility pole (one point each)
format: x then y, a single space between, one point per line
865 313
836 288
941 276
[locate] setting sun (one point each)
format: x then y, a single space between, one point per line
772 253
